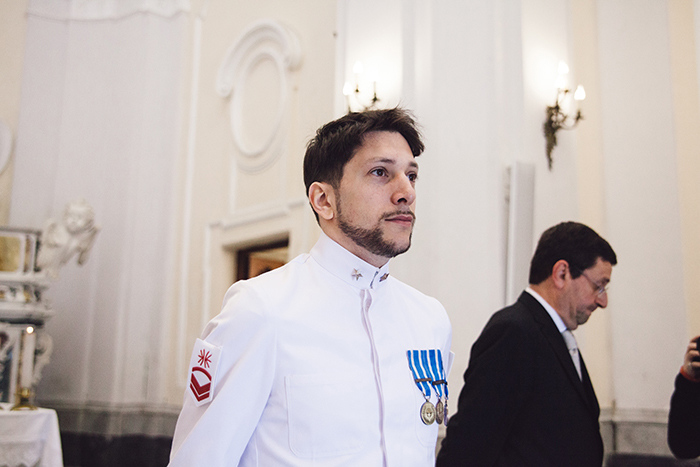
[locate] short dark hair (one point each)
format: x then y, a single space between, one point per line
576 243
336 142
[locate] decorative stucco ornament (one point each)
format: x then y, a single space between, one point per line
73 235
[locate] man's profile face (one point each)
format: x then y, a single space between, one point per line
584 298
376 198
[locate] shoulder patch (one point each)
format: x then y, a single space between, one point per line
203 365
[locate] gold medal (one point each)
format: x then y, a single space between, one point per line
427 413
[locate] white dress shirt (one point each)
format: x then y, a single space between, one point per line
313 370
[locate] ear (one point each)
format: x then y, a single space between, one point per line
322 199
559 273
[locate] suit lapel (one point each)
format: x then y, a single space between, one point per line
556 341
588 387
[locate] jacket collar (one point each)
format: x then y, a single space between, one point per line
346 266
549 309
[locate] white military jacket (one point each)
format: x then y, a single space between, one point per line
307 365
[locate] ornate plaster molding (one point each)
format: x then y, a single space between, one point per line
264 40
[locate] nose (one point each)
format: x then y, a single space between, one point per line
404 192
602 300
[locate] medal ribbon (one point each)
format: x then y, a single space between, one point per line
438 372
422 380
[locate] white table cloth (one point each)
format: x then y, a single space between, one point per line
30 438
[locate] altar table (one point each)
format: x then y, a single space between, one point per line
30 438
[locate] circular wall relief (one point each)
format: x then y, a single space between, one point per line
5 145
272 123
265 42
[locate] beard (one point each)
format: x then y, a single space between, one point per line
584 315
372 239
581 318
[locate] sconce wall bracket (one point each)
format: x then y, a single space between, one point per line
353 94
558 120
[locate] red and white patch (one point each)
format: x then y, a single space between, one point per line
202 374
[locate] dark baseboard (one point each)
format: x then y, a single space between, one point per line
91 450
645 460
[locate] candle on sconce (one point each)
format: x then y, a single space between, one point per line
28 347
357 69
347 90
356 93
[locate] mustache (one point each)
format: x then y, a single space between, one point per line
399 213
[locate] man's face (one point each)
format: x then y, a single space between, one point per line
583 298
376 198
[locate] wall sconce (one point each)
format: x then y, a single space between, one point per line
556 118
353 95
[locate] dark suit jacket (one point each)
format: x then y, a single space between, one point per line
523 403
684 419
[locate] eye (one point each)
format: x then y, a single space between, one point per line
413 176
379 171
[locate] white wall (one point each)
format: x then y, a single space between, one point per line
12 35
101 122
641 181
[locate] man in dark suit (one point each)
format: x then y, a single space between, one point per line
684 414
524 401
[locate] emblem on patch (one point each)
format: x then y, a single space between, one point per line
203 365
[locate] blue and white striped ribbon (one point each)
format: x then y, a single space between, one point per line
438 372
420 376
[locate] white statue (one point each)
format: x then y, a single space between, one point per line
8 340
75 233
43 351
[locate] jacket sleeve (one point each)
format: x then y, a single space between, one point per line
495 385
684 419
217 433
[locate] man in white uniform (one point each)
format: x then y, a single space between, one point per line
328 360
